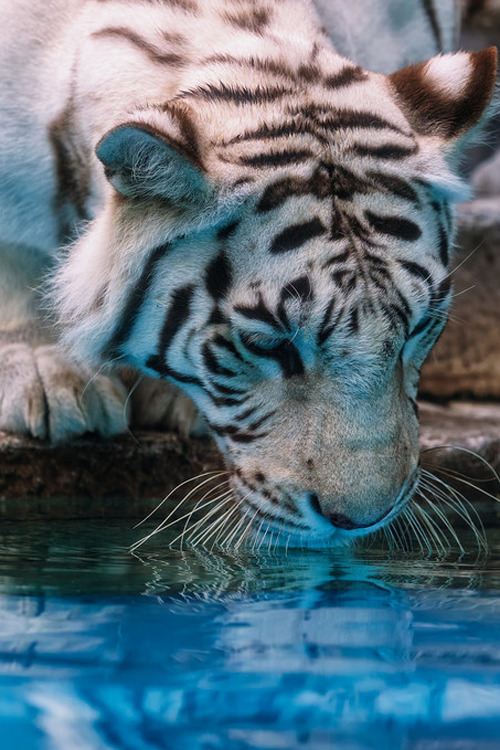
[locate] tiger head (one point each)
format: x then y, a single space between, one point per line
281 252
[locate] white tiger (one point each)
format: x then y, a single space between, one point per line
258 220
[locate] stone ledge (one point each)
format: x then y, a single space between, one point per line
92 478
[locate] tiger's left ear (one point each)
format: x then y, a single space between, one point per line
142 161
446 95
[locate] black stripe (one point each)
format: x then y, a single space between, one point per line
212 364
153 53
298 289
394 226
395 185
276 158
247 413
259 422
385 151
353 321
218 277
226 231
427 326
404 304
269 132
229 390
177 314
415 269
236 434
135 302
325 329
355 119
338 258
165 371
260 311
219 340
399 313
345 278
278 192
297 235
224 401
216 316
285 353
239 96
440 294
420 327
443 246
345 77
245 437
345 183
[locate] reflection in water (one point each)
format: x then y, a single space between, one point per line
213 650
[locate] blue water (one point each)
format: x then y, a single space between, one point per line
205 650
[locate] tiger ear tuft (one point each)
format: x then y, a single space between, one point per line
140 161
446 95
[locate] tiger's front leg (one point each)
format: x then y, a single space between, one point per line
42 392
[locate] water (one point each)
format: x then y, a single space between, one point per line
208 650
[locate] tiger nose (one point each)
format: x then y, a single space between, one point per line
341 521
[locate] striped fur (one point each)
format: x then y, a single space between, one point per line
271 232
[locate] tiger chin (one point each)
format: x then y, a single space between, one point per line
246 215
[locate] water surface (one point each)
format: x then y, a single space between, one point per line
190 649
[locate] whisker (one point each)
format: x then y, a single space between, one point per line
460 479
468 451
247 530
201 534
198 528
458 503
265 534
167 497
442 517
257 535
197 507
432 530
164 525
231 523
234 531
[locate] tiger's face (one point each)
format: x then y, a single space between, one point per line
291 277
311 358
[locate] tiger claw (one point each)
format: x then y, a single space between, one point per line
45 395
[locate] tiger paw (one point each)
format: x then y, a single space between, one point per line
157 404
45 395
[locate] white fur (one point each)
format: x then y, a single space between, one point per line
450 73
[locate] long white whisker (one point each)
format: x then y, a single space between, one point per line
433 529
447 492
199 526
197 507
173 522
470 452
457 503
247 530
229 524
439 513
202 534
187 481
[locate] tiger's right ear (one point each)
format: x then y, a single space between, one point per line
446 95
141 161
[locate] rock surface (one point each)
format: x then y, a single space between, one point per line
126 477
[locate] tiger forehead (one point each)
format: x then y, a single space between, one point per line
319 221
